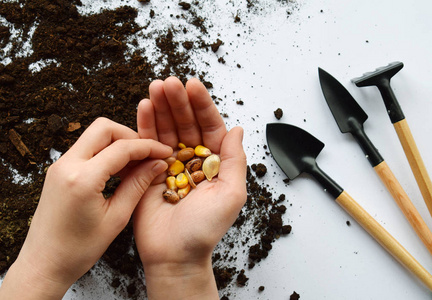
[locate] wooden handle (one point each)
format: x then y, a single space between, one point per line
384 238
416 162
405 204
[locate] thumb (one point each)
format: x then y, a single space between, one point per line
133 186
232 173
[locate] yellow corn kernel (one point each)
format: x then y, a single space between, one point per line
181 180
176 168
171 183
184 191
202 151
181 145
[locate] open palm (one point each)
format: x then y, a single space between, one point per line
188 231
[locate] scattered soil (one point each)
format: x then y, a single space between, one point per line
81 67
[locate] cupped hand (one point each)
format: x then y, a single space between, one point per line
74 224
180 238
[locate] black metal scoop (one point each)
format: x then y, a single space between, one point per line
295 151
348 114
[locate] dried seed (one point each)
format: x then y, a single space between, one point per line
190 167
202 151
170 196
194 164
197 176
184 191
176 168
181 180
170 160
188 176
211 166
171 183
185 154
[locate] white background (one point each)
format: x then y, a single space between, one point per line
324 258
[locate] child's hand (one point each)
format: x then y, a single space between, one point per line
175 242
74 224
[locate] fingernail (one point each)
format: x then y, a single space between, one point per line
242 133
170 149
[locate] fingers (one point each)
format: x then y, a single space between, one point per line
188 129
98 136
146 122
212 126
232 173
186 115
115 157
166 128
133 187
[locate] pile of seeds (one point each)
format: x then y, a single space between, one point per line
189 168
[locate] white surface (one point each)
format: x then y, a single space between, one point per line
324 258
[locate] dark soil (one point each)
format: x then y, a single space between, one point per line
241 278
89 71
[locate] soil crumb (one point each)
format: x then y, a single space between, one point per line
260 169
278 113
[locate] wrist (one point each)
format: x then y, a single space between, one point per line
24 281
181 281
